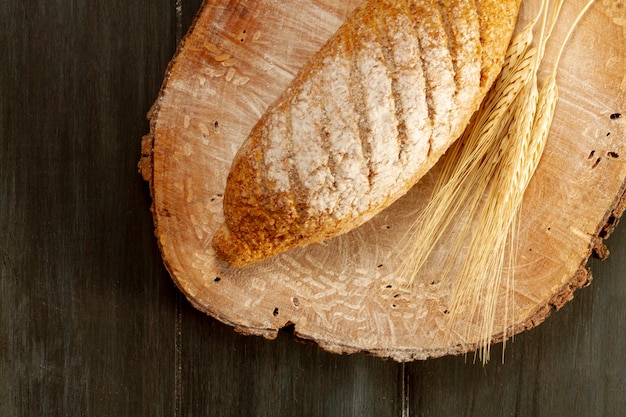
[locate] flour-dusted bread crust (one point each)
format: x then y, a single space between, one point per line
362 122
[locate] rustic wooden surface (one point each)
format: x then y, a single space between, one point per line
90 323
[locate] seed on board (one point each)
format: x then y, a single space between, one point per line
222 57
212 48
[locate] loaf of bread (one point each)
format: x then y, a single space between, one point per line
362 122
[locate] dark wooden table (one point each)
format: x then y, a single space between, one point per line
90 322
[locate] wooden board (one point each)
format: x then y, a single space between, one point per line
342 294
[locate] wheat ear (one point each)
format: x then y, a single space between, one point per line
486 173
456 187
482 273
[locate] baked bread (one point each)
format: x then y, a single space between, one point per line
362 122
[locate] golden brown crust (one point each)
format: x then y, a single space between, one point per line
320 162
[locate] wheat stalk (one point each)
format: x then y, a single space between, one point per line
483 267
518 157
486 174
462 182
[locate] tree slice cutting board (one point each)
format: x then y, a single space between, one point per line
343 294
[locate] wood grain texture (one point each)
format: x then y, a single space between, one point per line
343 293
82 290
577 351
227 374
89 323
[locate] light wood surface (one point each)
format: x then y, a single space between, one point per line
344 294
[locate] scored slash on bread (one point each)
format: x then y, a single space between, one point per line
362 122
